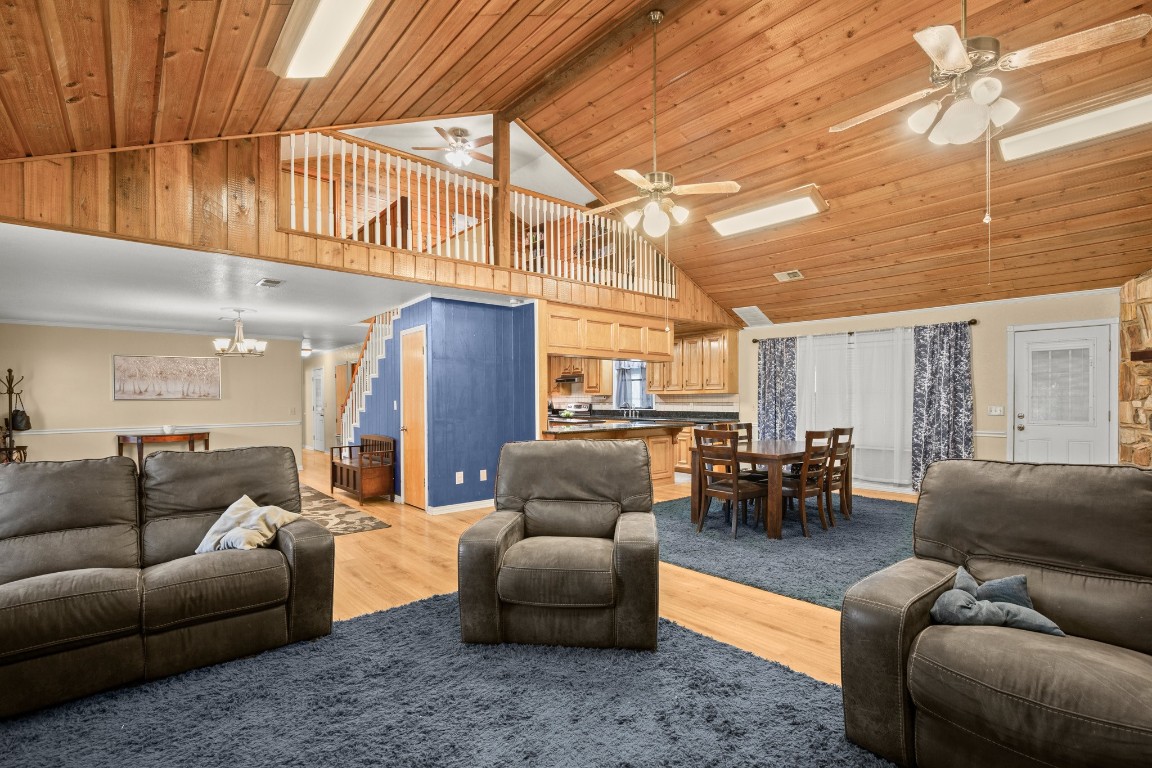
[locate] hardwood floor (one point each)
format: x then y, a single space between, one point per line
416 558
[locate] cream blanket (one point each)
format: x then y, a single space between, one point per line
244 525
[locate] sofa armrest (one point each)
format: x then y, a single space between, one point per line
309 549
636 560
881 616
480 552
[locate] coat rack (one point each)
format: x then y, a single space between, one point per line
9 451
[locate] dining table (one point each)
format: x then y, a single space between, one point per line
769 456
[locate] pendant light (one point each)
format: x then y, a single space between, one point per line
238 346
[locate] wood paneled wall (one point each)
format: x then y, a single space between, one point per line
221 196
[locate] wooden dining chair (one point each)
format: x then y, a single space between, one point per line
716 452
809 481
838 473
743 429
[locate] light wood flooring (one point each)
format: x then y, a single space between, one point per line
416 558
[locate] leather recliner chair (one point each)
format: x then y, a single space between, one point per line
925 694
571 555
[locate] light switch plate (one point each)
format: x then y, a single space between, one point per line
483 474
459 478
995 410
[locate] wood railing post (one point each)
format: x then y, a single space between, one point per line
502 168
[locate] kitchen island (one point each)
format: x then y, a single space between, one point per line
659 435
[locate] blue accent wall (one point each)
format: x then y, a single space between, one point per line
481 367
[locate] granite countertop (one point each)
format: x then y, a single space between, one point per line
617 427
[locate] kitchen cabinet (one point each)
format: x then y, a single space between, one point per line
660 457
656 373
692 370
701 363
683 452
597 374
598 379
601 335
714 351
674 371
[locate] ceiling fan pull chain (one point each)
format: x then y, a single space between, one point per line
988 194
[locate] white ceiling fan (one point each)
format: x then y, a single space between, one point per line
658 187
964 65
459 149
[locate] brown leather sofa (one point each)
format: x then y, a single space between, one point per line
99 585
932 695
571 555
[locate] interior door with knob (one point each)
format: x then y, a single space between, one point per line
1063 395
413 380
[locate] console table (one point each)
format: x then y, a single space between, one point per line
175 437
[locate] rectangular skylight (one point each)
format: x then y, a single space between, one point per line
1091 125
797 204
314 35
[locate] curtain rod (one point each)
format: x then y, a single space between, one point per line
972 321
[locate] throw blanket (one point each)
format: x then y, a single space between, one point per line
244 525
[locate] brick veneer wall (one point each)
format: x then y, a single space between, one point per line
1136 375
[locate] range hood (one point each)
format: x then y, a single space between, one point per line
569 378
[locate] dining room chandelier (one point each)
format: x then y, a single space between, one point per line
238 346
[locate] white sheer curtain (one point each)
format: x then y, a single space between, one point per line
861 380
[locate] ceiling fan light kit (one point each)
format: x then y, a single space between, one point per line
964 64
459 150
659 212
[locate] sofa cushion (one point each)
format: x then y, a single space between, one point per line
558 571
67 515
213 585
548 517
1064 700
56 611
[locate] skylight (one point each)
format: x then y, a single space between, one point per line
797 204
1074 130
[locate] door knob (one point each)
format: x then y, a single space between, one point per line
403 429
1019 427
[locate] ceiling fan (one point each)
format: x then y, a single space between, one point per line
459 149
964 65
658 187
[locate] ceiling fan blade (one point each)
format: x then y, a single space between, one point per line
443 134
1121 31
431 149
480 156
483 141
886 108
707 188
944 46
616 204
635 177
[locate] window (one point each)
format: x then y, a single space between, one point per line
632 384
861 380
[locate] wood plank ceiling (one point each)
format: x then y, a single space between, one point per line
747 91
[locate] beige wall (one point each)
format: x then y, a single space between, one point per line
327 362
989 346
68 391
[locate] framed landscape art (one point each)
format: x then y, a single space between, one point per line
153 377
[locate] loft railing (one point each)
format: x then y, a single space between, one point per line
555 238
338 186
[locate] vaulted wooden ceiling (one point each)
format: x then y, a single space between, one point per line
747 91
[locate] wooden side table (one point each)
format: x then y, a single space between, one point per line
140 440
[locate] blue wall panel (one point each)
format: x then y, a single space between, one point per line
481 366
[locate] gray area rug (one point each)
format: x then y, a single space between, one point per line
817 570
398 688
336 517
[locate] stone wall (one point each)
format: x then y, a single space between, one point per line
1136 374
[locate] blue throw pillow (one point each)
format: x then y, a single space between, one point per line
995 603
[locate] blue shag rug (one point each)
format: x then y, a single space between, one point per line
398 688
819 569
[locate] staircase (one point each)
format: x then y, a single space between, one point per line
367 371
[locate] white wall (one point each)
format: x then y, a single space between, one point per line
327 362
68 392
989 346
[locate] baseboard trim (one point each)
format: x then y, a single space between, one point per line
462 507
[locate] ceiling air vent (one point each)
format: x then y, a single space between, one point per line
269 282
789 276
752 315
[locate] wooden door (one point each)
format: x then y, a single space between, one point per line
674 371
714 349
413 478
693 364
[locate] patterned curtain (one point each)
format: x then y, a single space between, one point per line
942 396
776 391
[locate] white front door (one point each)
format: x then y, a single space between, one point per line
1063 395
319 441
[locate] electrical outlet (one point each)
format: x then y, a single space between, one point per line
483 475
995 410
459 478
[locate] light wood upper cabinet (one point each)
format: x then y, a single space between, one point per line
605 335
701 363
674 371
598 379
692 369
656 376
